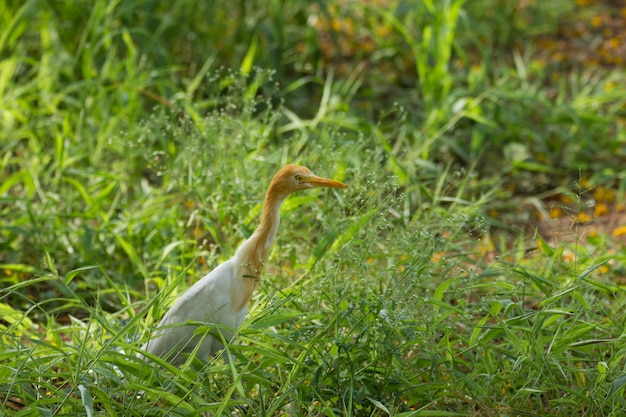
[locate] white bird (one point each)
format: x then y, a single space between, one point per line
222 296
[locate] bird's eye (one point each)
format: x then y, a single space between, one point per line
298 178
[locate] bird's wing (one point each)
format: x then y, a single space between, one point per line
207 301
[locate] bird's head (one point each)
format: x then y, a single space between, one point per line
295 177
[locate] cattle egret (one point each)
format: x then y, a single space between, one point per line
222 296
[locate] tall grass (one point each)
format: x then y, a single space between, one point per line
132 164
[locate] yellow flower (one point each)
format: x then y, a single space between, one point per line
382 31
604 194
614 43
436 257
596 21
620 231
584 182
600 209
556 212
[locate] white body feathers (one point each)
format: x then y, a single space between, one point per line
207 301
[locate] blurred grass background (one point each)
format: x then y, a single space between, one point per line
474 267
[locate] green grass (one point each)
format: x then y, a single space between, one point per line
136 143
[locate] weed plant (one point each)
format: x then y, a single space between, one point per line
136 143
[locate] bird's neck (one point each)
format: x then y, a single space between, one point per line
263 237
252 254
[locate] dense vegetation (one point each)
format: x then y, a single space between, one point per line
475 266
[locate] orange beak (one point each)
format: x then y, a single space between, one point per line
324 182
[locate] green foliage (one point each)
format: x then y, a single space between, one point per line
136 142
